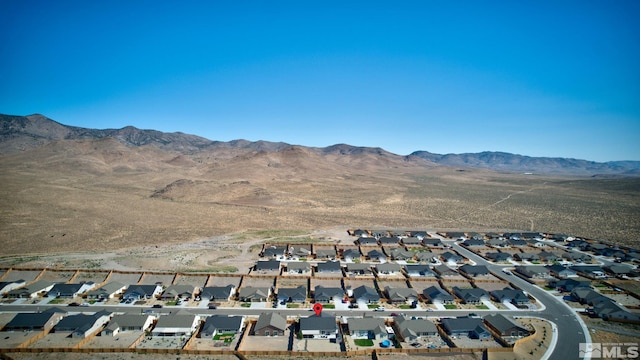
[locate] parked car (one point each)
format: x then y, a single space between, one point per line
157 306
212 307
379 308
74 304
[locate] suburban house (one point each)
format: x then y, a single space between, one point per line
270 324
426 256
31 290
533 272
222 324
473 242
329 267
417 235
517 242
548 256
419 270
326 253
620 271
612 311
505 326
275 252
82 325
567 285
497 243
445 271
388 269
350 255
530 257
412 241
6 286
437 295
499 256
367 241
516 297
44 320
401 254
267 266
590 271
319 327
139 292
297 295
471 295
254 294
561 272
298 268
323 294
368 328
107 291
466 326
401 295
412 330
175 292
300 252
218 293
128 322
389 241
366 294
474 270
355 269
70 290
431 242
178 324
451 258
376 255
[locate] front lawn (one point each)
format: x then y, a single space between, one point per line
482 307
363 342
450 306
245 305
56 301
405 306
172 303
373 306
292 306
329 306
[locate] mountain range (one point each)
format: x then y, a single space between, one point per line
23 133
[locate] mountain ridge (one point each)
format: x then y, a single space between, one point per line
20 133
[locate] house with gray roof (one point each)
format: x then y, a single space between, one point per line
548 256
367 241
218 293
70 290
567 285
323 294
267 267
412 241
411 330
516 297
326 253
35 321
275 252
473 242
298 268
451 258
471 295
399 253
139 292
499 256
561 272
357 269
367 328
419 270
466 326
254 294
179 291
297 294
82 325
107 291
376 255
517 242
388 269
366 294
505 326
178 324
474 270
351 255
389 241
329 267
590 271
319 327
533 272
445 271
431 242
612 311
6 286
497 243
399 295
437 295
128 322
270 324
31 290
222 324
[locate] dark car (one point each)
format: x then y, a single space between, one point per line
157 306
74 304
212 307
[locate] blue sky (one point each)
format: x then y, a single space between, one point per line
550 78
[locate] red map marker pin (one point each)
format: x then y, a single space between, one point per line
317 307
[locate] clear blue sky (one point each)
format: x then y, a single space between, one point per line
538 78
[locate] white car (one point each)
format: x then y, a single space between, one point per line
379 308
